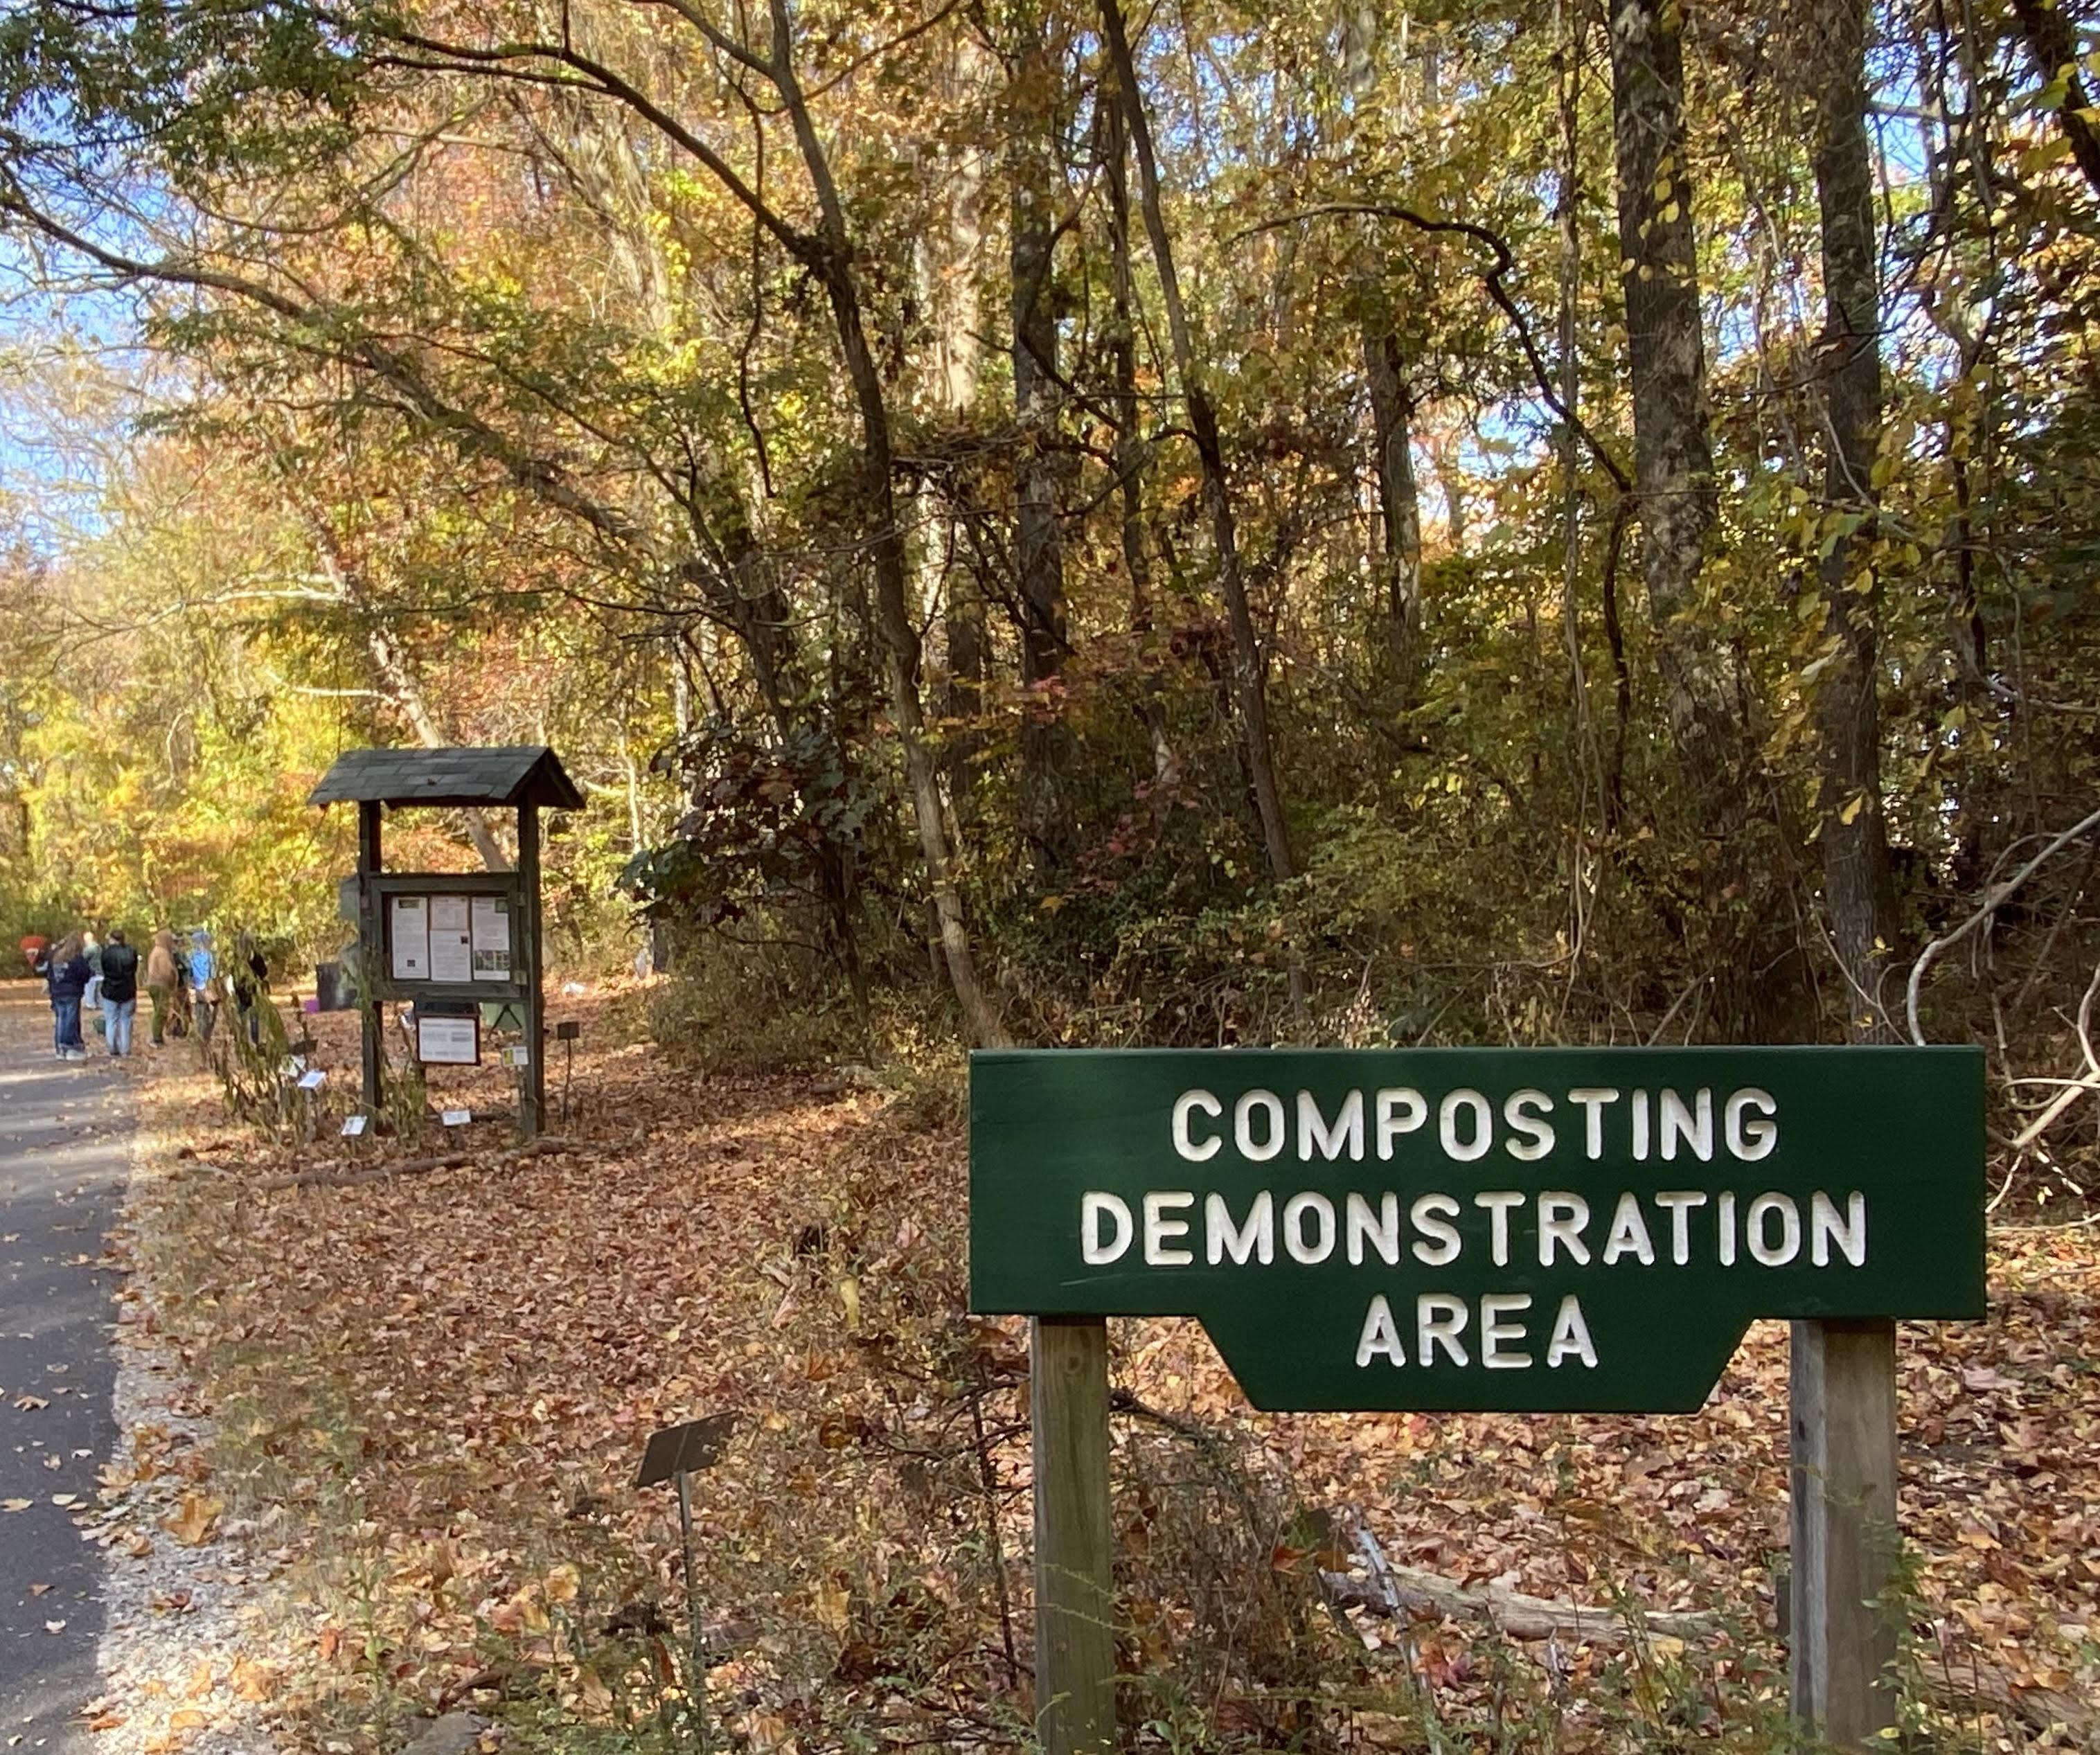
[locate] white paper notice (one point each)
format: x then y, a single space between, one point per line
312 1079
455 1118
448 1041
452 951
491 938
410 932
352 1126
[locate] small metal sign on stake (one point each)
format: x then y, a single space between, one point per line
677 1454
566 1032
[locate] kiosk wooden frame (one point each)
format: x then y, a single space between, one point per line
524 777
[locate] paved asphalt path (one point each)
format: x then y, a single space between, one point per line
63 1158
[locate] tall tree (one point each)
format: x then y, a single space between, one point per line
1034 108
1249 680
1665 345
1857 890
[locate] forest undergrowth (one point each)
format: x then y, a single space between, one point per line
432 1392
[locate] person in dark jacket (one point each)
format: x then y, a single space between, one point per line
251 983
67 972
120 992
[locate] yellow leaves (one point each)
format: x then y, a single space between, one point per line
832 1605
193 1520
15 1505
252 1682
1848 813
849 1297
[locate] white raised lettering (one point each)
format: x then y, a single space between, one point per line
1400 1111
1678 1203
1762 1250
1493 1331
1727 1230
1694 1126
1381 1336
1256 1239
1629 1234
1321 1245
1640 1127
1498 1202
1314 1135
1094 1250
1561 1218
1593 1099
1849 1233
1571 1334
1382 1230
1439 1319
1269 1104
1750 1137
1523 1112
1186 1145
1438 1244
1161 1233
1447 1127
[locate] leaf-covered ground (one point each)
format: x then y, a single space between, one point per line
432 1394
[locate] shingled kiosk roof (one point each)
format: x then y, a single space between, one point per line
516 773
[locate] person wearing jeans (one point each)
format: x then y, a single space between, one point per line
68 974
120 992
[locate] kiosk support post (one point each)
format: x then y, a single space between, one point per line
371 1050
532 1091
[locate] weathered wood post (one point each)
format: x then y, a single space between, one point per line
1843 1477
532 1088
1068 1395
371 1051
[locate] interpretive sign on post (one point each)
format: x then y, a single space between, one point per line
1497 1230
1459 1230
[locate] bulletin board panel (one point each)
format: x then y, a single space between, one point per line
446 936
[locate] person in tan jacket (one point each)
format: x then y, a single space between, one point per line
163 981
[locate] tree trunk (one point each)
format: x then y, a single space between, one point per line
1249 691
897 632
1045 740
1130 447
1399 505
1857 888
1672 455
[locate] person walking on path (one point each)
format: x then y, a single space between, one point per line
120 992
163 976
251 983
205 988
68 975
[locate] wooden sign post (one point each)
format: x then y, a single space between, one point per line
1503 1230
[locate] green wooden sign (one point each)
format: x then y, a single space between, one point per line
1574 1229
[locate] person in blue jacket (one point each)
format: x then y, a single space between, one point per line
206 989
67 972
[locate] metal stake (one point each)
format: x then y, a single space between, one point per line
697 1675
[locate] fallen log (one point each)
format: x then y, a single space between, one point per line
545 1147
1392 1591
1411 1589
331 1179
1985 1690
